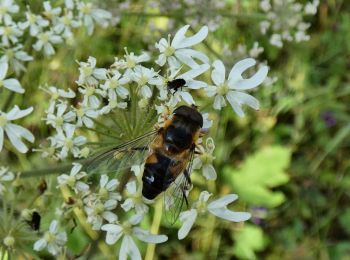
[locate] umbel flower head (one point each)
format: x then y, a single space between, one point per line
131 86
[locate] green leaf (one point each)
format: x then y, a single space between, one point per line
247 241
258 174
344 220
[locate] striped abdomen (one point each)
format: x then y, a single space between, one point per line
156 176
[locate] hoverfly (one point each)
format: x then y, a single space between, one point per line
176 84
167 154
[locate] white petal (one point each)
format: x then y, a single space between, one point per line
204 196
187 97
131 187
197 163
195 84
48 49
209 172
127 204
61 238
103 180
179 36
114 232
52 248
193 54
21 132
173 62
14 85
252 82
195 72
110 204
146 91
145 236
161 60
135 219
76 168
81 186
229 215
15 139
109 216
53 227
128 247
100 73
218 74
40 244
3 69
235 104
16 113
239 68
197 38
219 102
222 202
244 98
112 184
184 58
188 218
210 90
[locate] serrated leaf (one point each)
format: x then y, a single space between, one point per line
258 174
247 241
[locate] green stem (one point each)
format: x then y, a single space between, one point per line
154 230
8 101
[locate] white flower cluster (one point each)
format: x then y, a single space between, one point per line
51 27
101 209
285 20
101 90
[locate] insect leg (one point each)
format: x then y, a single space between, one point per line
184 195
187 176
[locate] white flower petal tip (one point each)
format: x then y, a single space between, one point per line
225 200
229 215
195 39
147 237
236 81
188 218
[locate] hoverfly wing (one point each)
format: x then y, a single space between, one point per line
121 157
175 197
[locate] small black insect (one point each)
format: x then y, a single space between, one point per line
176 84
34 223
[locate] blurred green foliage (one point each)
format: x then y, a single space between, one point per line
254 179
